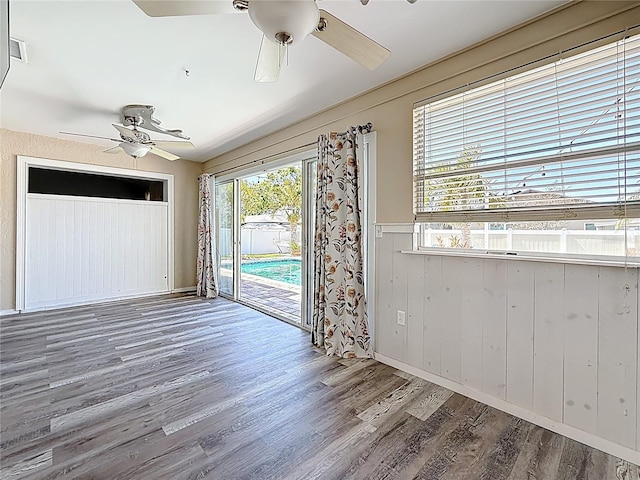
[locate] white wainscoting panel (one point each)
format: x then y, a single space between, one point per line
451 321
581 347
558 341
415 311
471 339
520 333
548 347
435 310
617 343
82 249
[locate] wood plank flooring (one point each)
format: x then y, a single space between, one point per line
179 387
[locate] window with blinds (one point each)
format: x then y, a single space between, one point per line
556 146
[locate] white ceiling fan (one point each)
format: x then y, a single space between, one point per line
282 23
136 143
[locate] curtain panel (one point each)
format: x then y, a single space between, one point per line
206 270
339 323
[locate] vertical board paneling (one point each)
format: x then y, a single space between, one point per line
149 247
51 247
69 262
471 298
520 313
617 351
581 347
94 254
401 263
453 271
85 257
385 343
130 263
494 329
415 311
34 230
102 255
59 257
548 340
108 242
78 249
434 314
162 271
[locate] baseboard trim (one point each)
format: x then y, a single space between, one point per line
92 301
558 427
184 289
5 313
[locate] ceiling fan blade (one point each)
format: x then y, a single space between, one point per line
164 153
178 8
173 143
270 59
116 149
351 42
90 136
126 133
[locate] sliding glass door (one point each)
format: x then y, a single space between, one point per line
225 237
270 241
265 240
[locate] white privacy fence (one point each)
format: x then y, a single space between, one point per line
590 242
255 241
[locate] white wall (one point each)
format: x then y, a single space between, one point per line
81 249
554 343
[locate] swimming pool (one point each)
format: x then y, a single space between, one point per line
287 270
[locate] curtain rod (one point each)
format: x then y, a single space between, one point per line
362 129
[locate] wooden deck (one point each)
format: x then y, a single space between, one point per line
178 387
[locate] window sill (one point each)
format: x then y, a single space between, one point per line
523 257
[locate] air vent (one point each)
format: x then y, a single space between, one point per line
18 49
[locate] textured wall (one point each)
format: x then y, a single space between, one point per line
185 174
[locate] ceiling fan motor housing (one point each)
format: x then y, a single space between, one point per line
284 22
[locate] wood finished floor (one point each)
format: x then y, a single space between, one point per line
178 387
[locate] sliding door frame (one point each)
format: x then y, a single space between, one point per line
302 158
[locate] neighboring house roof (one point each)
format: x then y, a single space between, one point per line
531 197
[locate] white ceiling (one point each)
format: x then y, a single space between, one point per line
87 59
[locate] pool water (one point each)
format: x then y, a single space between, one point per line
287 271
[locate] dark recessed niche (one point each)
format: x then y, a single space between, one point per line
59 182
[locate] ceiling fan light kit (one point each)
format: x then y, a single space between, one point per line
284 22
135 150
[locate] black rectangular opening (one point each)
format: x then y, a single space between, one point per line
60 182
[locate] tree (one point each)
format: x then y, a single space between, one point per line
279 191
459 191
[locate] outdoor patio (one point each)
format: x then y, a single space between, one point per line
281 298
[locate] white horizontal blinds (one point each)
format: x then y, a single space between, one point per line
558 141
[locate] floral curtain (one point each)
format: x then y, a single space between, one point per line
206 269
339 310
